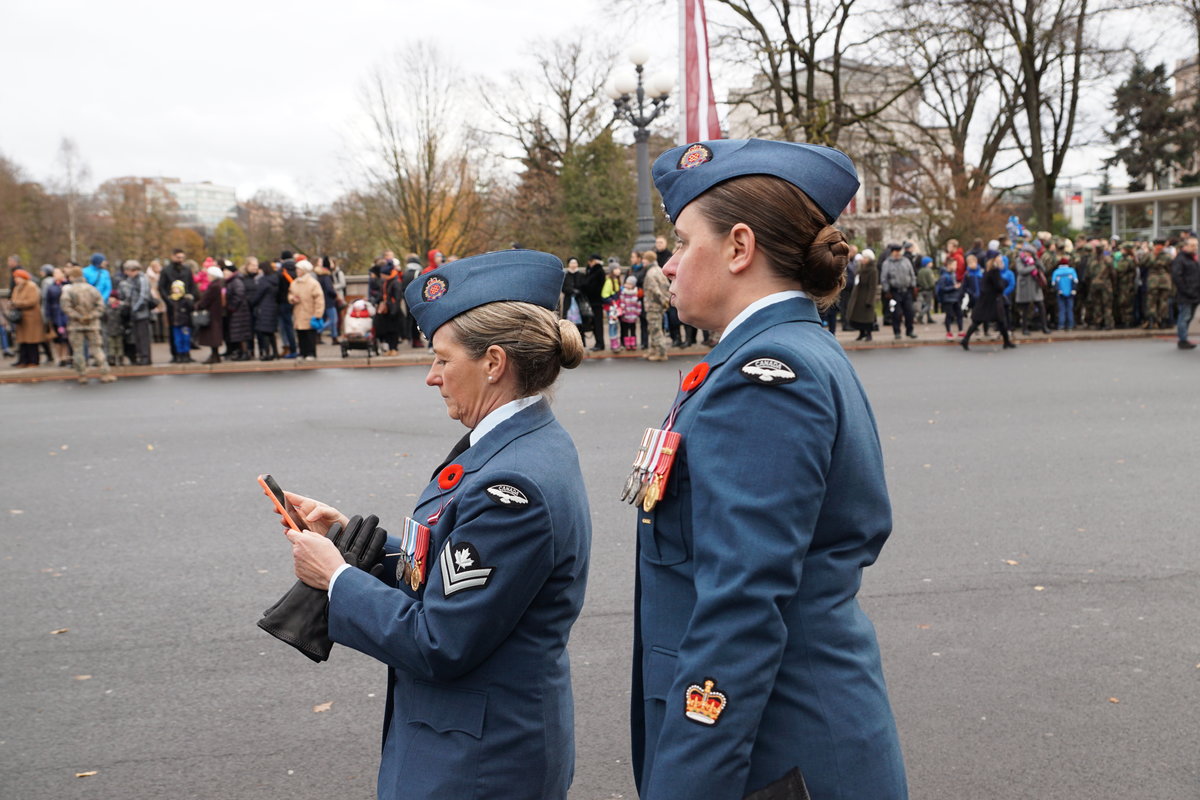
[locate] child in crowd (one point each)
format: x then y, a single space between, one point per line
949 294
1065 279
181 313
631 312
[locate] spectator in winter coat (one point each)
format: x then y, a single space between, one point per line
287 327
325 277
897 279
1029 297
176 270
308 302
264 300
631 311
56 319
179 305
137 302
212 301
239 316
990 307
593 289
96 273
1185 274
27 299
1065 281
927 278
949 294
573 291
861 310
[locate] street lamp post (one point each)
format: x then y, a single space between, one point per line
630 100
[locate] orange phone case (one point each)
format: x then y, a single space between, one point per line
281 509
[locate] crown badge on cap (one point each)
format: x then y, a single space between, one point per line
703 704
694 156
434 288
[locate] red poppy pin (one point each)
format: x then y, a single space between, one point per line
694 378
450 476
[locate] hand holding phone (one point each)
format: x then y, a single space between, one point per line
291 516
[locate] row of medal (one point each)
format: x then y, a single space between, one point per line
651 468
414 547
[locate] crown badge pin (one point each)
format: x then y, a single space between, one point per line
703 704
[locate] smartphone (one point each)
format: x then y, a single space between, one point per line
289 512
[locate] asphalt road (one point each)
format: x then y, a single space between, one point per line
1037 603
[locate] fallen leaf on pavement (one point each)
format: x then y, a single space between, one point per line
83 677
924 627
149 447
87 774
57 631
1011 563
1039 588
16 511
317 709
1113 700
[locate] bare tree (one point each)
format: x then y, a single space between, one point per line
807 59
426 187
75 175
1045 57
957 140
560 104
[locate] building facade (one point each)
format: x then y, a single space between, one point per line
202 205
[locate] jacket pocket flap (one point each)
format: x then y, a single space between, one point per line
660 673
445 709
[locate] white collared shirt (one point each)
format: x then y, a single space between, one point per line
758 305
484 426
500 414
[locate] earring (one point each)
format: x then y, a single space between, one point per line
490 379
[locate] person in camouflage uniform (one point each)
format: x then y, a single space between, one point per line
1100 290
1158 292
1081 260
1125 287
1049 263
82 304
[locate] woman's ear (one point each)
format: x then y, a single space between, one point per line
741 246
495 362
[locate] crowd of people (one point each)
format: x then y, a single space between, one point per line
74 315
1034 283
281 308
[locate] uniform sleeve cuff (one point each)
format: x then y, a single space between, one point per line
333 578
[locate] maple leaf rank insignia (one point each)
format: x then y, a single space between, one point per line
462 568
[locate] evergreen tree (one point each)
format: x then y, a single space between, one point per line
596 187
1100 223
1150 133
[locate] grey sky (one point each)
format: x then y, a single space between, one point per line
252 94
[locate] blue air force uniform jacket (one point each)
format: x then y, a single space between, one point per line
479 702
751 654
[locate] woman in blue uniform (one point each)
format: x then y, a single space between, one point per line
473 621
760 501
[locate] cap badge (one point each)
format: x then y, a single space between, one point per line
434 288
694 156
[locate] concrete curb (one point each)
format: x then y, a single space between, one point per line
329 356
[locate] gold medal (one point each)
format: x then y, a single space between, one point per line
653 495
414 578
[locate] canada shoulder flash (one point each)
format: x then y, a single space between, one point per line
768 371
507 495
462 568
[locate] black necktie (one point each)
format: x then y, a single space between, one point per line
459 448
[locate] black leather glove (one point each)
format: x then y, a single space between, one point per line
301 617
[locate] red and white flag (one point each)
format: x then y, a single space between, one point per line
697 108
